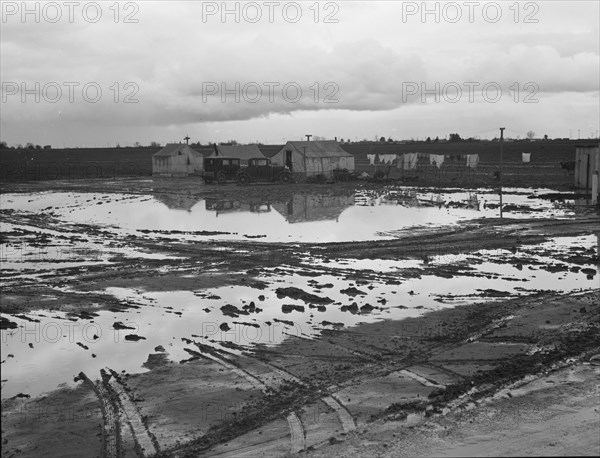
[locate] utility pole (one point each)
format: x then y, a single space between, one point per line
308 137
501 163
187 139
304 158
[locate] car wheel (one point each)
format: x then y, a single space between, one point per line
243 179
285 178
221 178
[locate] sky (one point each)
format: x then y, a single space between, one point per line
105 73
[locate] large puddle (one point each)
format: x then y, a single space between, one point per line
303 217
48 349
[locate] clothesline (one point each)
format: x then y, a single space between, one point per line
408 161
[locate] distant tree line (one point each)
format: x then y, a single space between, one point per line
453 138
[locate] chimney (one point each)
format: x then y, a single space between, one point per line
336 139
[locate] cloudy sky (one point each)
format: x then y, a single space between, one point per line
94 74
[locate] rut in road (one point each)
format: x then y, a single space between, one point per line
246 367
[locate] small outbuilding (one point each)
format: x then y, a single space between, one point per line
177 160
314 157
242 152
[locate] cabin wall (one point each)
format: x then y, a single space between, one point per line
178 165
587 161
314 165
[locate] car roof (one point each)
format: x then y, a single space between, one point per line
222 157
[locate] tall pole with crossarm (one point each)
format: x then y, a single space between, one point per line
501 171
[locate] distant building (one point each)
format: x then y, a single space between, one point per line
314 157
587 167
242 152
177 160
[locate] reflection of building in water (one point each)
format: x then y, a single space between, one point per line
313 207
221 206
183 202
372 198
412 198
473 201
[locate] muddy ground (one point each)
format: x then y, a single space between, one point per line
431 383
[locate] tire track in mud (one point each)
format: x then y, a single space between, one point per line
298 433
111 436
145 443
253 380
346 419
422 380
278 375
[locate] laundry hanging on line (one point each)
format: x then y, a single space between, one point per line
387 158
371 158
409 161
526 157
436 159
472 160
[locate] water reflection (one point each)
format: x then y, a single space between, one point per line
412 198
183 202
314 207
221 206
331 215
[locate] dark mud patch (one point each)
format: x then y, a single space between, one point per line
232 311
156 360
560 196
297 293
5 323
289 308
134 337
245 323
175 232
352 291
288 322
117 325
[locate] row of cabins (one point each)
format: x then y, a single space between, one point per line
323 157
307 157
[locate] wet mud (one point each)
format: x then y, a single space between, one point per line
205 342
